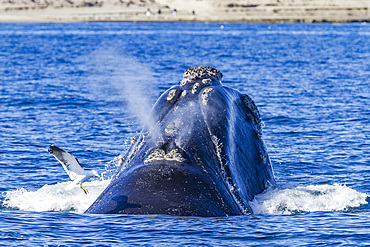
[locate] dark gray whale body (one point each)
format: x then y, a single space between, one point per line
200 155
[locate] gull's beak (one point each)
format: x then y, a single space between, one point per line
98 176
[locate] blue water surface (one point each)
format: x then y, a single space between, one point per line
87 87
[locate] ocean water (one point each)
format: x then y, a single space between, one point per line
88 88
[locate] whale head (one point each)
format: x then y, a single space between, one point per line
200 154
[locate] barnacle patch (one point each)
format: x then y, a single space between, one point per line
159 155
205 95
171 94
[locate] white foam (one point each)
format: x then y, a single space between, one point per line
55 197
308 199
273 201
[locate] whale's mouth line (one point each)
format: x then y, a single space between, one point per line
227 178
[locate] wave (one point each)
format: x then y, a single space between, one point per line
311 198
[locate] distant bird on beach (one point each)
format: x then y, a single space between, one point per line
73 168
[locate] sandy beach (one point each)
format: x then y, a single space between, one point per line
185 11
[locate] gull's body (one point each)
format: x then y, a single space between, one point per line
73 168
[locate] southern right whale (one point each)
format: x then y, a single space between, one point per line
201 154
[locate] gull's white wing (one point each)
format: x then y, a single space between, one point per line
68 161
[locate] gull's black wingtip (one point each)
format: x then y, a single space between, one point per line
51 148
54 149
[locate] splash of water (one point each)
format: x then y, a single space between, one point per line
54 197
308 199
273 201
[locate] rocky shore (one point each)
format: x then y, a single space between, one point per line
187 11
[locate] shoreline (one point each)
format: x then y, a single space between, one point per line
217 11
